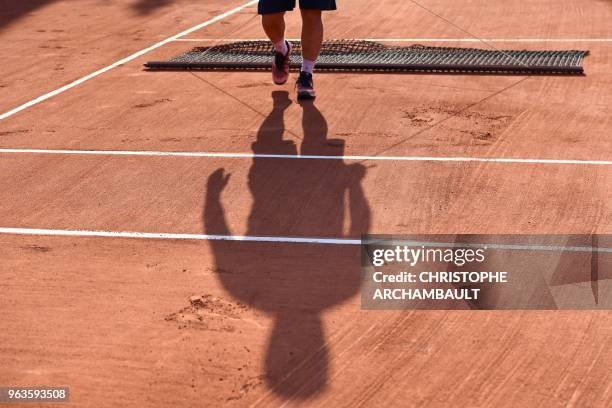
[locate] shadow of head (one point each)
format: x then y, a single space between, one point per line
293 283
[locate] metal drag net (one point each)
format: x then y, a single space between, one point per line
359 55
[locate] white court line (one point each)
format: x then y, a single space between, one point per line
302 157
511 247
288 240
468 40
123 61
155 235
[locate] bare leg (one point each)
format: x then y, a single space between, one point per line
274 26
312 34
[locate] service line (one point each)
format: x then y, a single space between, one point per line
146 153
290 240
161 235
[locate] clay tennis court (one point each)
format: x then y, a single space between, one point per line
114 179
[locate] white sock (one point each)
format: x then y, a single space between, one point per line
281 47
308 66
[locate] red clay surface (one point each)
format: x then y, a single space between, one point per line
281 323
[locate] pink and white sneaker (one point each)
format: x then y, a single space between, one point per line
280 66
305 86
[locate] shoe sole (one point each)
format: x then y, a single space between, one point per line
281 83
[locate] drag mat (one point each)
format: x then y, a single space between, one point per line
358 55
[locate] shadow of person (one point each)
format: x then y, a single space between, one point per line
292 282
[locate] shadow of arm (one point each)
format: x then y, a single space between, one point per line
358 204
214 216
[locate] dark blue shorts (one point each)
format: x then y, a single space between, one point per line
279 6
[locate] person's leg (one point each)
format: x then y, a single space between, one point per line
312 37
273 22
274 26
